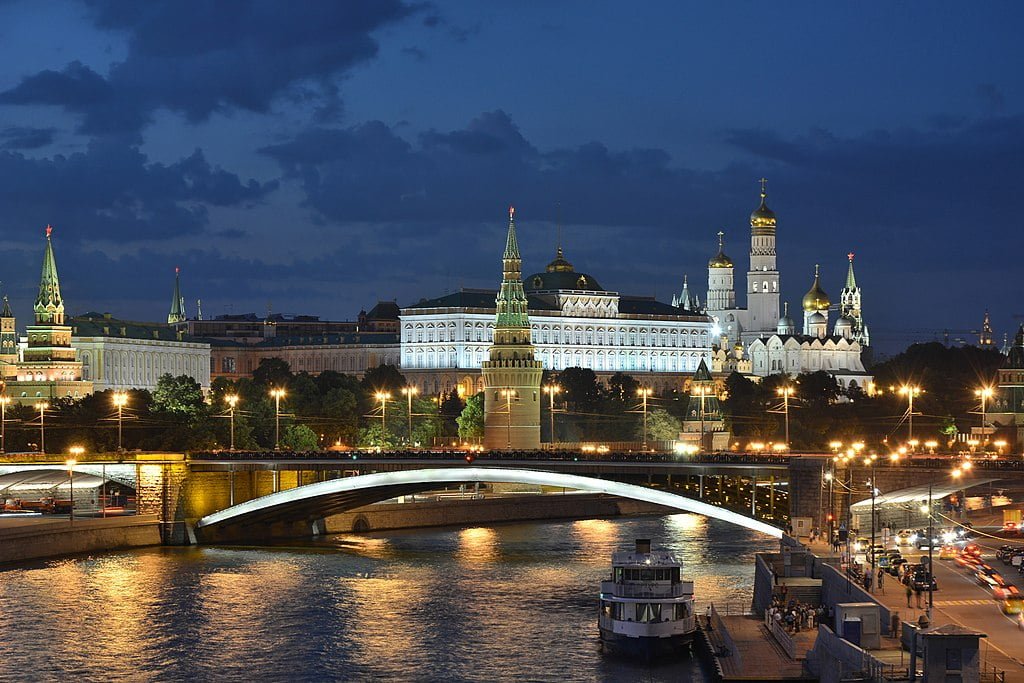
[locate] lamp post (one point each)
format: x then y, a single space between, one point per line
644 392
41 406
4 402
551 390
120 400
382 396
509 394
232 401
71 462
409 392
785 393
910 392
830 478
984 393
870 462
277 394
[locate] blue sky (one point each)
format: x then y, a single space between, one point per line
318 156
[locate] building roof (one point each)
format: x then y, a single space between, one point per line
485 298
562 279
349 339
384 310
95 324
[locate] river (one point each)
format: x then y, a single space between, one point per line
496 603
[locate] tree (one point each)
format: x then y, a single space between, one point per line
622 387
580 387
181 396
272 372
383 378
661 426
299 438
471 421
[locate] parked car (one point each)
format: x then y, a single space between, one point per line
920 580
906 570
894 566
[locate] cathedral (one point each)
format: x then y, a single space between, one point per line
762 338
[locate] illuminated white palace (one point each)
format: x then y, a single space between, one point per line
574 322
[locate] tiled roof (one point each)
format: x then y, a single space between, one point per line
94 324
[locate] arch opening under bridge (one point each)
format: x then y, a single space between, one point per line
322 499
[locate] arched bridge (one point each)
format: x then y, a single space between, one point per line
316 501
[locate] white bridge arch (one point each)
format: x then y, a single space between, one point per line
329 497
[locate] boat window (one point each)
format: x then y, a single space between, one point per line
606 608
656 611
682 610
646 575
618 575
675 574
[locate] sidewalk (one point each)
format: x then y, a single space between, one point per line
762 658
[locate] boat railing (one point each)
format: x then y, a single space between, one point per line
647 590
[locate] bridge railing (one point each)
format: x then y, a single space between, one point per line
483 458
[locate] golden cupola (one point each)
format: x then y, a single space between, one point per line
720 260
762 220
816 299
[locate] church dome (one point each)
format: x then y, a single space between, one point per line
816 299
560 274
762 220
817 319
720 260
785 324
844 327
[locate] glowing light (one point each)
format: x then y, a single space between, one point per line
431 477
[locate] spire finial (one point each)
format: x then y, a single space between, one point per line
49 229
721 236
850 256
177 269
511 212
785 309
815 271
764 187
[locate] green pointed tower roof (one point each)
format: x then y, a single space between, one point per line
177 313
49 306
511 300
851 281
6 313
702 374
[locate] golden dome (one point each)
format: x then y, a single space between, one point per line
559 265
720 260
762 216
816 299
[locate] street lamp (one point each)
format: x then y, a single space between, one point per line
870 462
120 399
75 451
509 394
383 397
551 390
232 401
41 406
409 392
644 392
277 394
910 392
984 393
4 402
785 393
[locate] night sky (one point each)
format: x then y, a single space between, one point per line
318 156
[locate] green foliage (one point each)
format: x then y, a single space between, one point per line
580 389
372 436
299 438
661 426
383 378
272 372
179 396
471 421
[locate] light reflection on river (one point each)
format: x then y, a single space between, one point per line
503 602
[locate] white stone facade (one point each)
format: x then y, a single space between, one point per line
125 363
794 354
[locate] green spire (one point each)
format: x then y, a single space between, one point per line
177 313
851 281
6 313
49 306
511 301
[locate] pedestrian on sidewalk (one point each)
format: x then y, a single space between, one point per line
909 593
917 592
881 583
708 615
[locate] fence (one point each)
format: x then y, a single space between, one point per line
723 632
783 638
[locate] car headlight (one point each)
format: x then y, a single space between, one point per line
913 538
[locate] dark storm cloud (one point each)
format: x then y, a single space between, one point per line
110 191
198 57
26 137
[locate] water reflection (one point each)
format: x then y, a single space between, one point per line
513 601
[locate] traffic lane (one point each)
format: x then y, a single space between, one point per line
978 610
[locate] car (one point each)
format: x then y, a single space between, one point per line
919 581
972 549
894 565
1006 592
922 540
1010 528
1012 605
1005 552
948 552
906 570
903 536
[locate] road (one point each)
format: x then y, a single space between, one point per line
962 600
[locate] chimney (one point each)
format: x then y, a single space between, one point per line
643 545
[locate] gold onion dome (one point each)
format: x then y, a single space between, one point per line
762 216
720 260
816 299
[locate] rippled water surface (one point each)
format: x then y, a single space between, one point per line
503 602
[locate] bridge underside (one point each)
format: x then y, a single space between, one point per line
312 502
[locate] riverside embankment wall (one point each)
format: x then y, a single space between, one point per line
53 538
460 512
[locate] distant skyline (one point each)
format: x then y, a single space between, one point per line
319 156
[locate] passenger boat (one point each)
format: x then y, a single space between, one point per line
646 607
